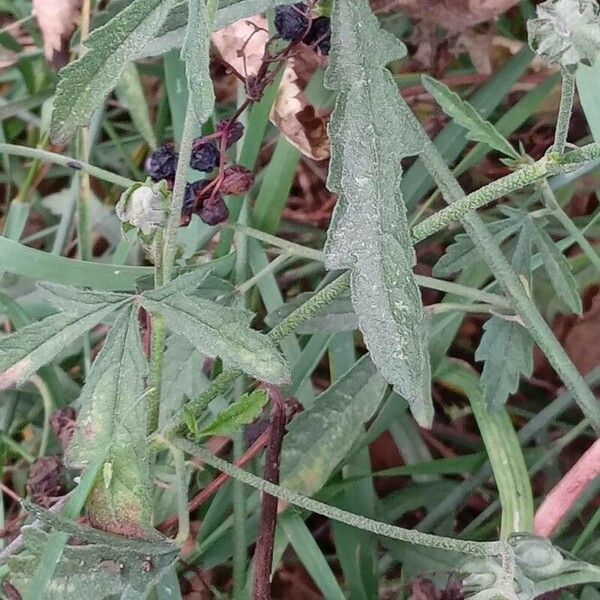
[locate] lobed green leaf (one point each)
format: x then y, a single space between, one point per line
85 83
217 330
371 131
113 415
22 353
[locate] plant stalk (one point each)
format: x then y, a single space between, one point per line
567 93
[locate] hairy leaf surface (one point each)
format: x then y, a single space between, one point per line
506 346
182 378
85 83
371 132
33 346
195 53
97 570
479 130
320 438
113 415
217 330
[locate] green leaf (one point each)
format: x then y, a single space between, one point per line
479 130
588 90
195 53
65 297
337 316
506 346
113 416
462 254
85 83
320 438
217 330
566 32
371 131
188 282
132 97
558 269
242 412
98 570
33 346
182 377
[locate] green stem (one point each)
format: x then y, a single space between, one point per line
21 196
183 516
591 574
66 161
552 204
507 278
567 92
480 549
44 391
222 383
190 129
532 173
157 343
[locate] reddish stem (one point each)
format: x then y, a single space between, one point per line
567 491
263 557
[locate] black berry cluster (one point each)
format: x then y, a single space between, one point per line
295 24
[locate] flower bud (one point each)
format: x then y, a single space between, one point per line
536 556
143 205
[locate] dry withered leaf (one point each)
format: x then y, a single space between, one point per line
452 15
298 120
57 20
242 44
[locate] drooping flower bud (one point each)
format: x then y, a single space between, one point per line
237 180
145 206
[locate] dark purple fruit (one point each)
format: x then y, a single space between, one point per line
233 132
291 22
192 197
162 163
214 210
205 156
319 34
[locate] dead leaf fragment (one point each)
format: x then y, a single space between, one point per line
299 121
57 20
242 44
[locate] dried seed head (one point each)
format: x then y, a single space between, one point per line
237 180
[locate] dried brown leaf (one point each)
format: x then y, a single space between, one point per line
299 121
453 15
242 44
57 20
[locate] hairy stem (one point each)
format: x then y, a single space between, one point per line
567 92
190 128
537 171
481 549
66 161
509 281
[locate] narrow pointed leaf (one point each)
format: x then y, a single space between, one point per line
320 438
195 53
240 413
132 97
85 83
66 297
217 330
558 269
479 130
33 346
113 416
